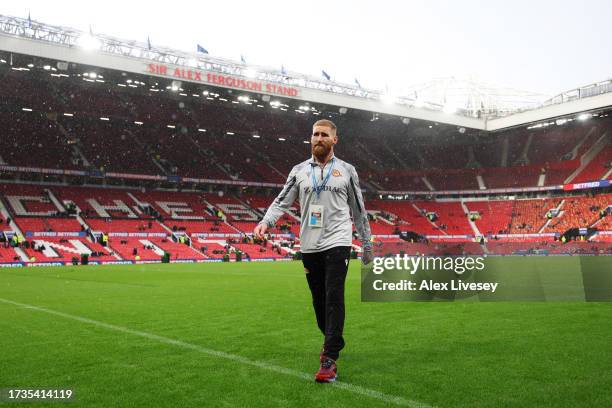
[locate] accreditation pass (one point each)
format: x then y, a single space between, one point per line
315 216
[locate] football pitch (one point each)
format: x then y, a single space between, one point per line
243 334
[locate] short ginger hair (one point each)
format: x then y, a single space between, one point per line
327 123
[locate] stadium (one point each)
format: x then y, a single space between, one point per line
136 175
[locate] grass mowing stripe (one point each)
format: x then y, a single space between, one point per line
60 277
232 357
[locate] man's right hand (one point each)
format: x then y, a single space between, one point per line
260 230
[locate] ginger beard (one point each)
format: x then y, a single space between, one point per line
322 146
321 150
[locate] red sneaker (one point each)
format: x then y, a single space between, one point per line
327 372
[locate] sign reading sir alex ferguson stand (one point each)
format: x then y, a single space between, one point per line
226 81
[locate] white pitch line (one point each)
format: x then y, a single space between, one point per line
356 389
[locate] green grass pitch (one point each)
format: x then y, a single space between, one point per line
244 335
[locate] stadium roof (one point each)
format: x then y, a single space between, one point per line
461 102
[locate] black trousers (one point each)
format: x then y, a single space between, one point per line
326 274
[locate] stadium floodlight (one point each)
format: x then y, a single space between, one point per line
388 97
93 75
26 109
560 122
230 133
30 65
104 118
343 110
584 116
275 104
243 98
249 73
449 109
306 141
69 114
47 67
136 122
265 98
282 139
175 86
201 130
304 108
256 136
89 42
406 121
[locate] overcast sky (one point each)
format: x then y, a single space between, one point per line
539 46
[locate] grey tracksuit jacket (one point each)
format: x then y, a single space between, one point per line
339 197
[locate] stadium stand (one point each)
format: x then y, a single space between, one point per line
529 216
597 168
450 216
33 139
258 251
394 161
113 225
412 219
63 249
47 224
579 212
494 217
154 143
8 255
111 147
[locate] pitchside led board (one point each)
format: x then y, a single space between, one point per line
397 278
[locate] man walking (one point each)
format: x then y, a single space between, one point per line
328 191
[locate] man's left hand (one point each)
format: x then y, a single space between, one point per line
367 257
